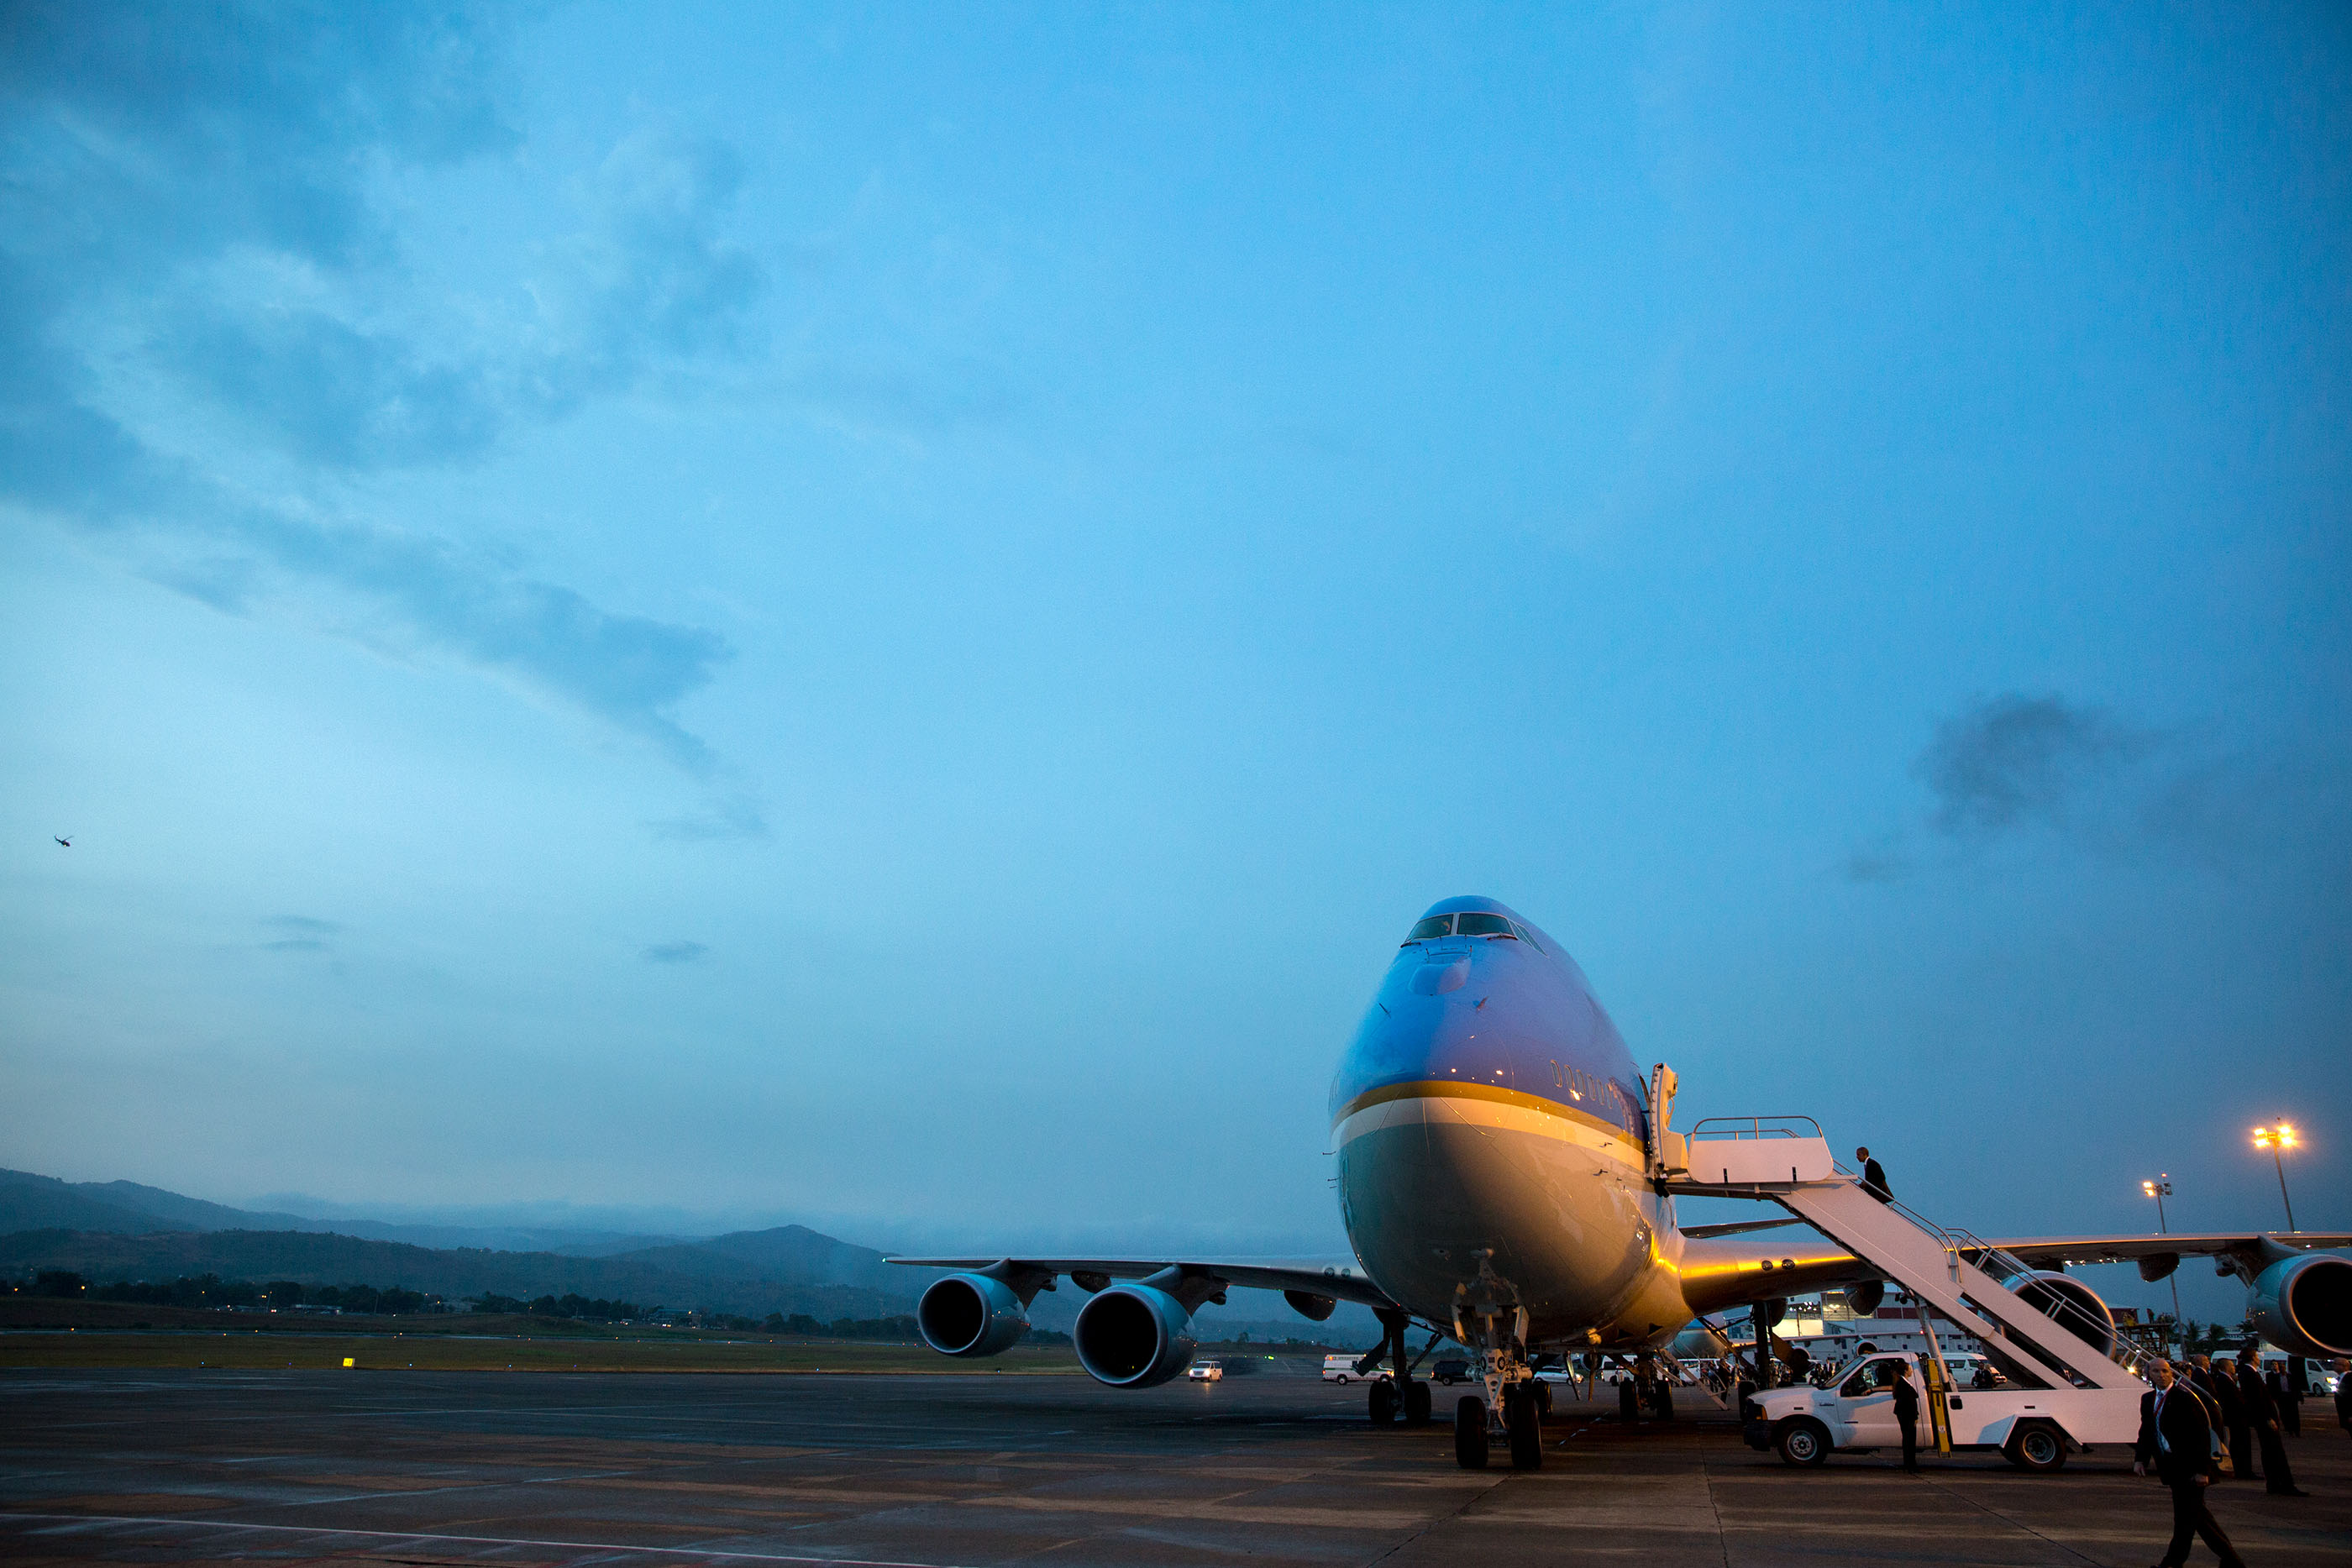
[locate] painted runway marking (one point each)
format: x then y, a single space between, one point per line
472 1540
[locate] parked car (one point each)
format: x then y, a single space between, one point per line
1449 1371
1342 1369
1206 1372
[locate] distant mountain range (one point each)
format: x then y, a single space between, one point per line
121 1231
115 1230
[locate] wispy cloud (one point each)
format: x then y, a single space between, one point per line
302 933
2017 765
204 164
2011 760
675 952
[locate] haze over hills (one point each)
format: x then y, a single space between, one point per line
108 1231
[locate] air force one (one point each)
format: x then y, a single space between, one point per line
1504 1177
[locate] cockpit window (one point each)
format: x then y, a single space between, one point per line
1481 925
1435 926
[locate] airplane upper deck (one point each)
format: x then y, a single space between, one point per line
1479 1000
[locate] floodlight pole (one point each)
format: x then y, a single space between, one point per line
2158 1190
2280 1165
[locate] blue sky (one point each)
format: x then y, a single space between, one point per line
883 615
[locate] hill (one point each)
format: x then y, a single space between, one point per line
722 1283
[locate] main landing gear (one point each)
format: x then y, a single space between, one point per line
1400 1394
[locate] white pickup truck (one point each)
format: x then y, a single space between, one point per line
2031 1427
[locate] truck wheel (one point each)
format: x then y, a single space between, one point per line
2038 1447
1802 1442
1470 1433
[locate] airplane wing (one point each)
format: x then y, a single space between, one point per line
1339 1281
1720 1275
2247 1246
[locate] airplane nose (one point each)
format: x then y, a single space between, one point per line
1435 980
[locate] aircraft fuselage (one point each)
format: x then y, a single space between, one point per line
1490 1128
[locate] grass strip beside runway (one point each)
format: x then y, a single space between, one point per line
247 1350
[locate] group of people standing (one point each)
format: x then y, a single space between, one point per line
2185 1420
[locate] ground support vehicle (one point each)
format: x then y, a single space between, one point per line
1342 1369
1206 1372
2033 1429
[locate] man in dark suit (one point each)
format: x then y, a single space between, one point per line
1907 1415
2262 1415
2176 1442
2220 1386
1874 1178
2288 1397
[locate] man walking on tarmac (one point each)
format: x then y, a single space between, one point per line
1874 1178
2176 1441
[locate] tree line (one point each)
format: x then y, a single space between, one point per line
210 1291
203 1290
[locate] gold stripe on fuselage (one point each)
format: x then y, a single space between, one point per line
1472 1100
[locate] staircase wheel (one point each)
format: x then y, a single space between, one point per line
1416 1404
1470 1433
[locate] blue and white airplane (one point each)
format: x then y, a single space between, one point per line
1498 1181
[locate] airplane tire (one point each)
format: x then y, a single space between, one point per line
1629 1402
1665 1405
1470 1433
1543 1398
1416 1404
1526 1427
1383 1403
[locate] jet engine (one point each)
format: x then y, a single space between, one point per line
2068 1302
1133 1336
2304 1305
970 1314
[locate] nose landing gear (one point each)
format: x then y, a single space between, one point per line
1515 1405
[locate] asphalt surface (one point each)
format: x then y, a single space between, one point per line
730 1470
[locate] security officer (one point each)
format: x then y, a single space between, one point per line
2176 1441
2262 1414
1907 1415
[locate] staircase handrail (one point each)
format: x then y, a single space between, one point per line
1717 1129
1960 1243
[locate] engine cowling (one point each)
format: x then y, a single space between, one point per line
1133 1336
970 1314
2304 1305
2069 1303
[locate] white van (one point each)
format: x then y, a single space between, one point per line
1342 1369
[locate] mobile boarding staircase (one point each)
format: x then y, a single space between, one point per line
2035 1331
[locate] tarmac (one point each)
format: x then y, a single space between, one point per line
938 1470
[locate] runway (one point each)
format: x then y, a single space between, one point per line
934 1472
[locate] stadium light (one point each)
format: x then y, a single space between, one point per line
2161 1190
2277 1139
